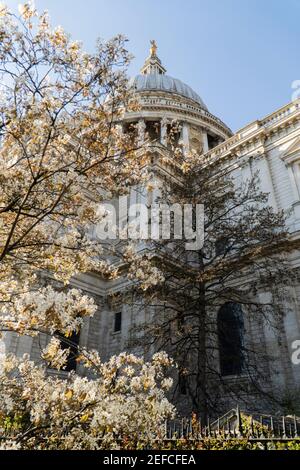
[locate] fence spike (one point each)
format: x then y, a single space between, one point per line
251 427
295 427
239 422
262 435
272 426
226 427
283 427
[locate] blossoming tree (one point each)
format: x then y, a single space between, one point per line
61 154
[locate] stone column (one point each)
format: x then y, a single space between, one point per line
119 136
294 174
163 131
141 131
266 181
205 141
185 138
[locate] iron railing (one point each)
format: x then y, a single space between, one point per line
236 424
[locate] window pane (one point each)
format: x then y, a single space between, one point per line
71 342
118 321
230 336
182 385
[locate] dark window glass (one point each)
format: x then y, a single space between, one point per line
71 342
118 321
180 322
182 385
212 140
130 129
230 336
152 130
221 246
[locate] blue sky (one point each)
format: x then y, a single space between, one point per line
240 56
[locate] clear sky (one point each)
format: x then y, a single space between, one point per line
240 56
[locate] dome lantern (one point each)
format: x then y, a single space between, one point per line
153 63
164 99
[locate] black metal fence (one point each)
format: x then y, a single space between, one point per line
236 424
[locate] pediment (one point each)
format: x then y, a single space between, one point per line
292 152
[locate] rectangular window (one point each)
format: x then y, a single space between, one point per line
182 385
118 321
72 342
221 246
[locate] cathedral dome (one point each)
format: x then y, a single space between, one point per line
165 99
165 83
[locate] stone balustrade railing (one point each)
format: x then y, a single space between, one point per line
286 112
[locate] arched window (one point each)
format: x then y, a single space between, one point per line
230 338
